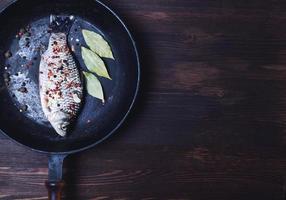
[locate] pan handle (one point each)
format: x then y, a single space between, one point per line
55 183
55 190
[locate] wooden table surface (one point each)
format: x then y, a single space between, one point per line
210 121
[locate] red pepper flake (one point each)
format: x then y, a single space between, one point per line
72 107
50 73
70 84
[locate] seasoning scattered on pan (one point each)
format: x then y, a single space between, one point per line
8 54
25 96
7 79
23 108
23 90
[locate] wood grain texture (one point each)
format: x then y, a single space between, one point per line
210 122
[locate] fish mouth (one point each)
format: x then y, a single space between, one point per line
60 121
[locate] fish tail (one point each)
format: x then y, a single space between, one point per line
61 24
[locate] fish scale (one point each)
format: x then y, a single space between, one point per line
60 84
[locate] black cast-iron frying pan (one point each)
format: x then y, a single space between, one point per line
96 121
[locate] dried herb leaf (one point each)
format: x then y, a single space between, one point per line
93 86
97 44
94 63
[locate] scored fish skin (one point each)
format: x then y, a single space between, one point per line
60 84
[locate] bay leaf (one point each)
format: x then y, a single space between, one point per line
93 86
97 44
94 63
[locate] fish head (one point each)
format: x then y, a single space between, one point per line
60 122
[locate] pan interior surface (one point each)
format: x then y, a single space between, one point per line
96 121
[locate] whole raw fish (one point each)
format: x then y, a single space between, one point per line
59 79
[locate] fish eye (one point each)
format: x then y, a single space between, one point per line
64 127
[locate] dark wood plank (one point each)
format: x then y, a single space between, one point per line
210 121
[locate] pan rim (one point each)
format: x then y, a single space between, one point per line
113 131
